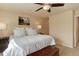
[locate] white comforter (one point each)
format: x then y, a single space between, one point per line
28 44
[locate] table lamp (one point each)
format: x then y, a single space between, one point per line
39 27
2 28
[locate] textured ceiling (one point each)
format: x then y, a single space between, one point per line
29 8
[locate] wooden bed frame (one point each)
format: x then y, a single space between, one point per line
48 51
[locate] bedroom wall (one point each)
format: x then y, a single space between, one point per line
11 21
61 27
45 25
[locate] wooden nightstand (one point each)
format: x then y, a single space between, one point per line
4 43
41 33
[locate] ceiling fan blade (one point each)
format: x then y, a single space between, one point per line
39 9
49 10
39 3
57 4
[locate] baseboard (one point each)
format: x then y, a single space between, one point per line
64 44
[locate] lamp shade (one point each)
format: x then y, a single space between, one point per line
2 26
39 26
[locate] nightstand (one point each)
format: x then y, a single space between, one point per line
41 33
4 43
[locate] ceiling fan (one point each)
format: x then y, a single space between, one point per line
47 6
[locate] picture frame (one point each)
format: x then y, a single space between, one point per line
23 20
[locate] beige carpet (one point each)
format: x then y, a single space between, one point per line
65 51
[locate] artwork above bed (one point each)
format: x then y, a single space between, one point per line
23 20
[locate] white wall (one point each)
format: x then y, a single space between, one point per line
61 27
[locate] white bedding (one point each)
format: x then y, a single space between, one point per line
28 44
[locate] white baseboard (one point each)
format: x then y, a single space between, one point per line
64 44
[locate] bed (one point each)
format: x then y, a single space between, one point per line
25 41
28 44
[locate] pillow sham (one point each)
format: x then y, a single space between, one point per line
31 31
19 32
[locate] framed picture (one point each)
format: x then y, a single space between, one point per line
23 20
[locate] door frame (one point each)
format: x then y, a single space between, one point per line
75 23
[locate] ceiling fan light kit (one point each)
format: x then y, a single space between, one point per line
46 7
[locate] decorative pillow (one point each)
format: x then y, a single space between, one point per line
31 31
19 32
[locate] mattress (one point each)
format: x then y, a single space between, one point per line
23 46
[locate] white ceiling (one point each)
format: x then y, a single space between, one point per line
29 8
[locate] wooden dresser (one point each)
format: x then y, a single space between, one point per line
4 43
48 51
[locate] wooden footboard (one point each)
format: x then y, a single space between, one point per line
48 51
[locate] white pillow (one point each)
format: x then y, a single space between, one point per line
19 32
31 31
